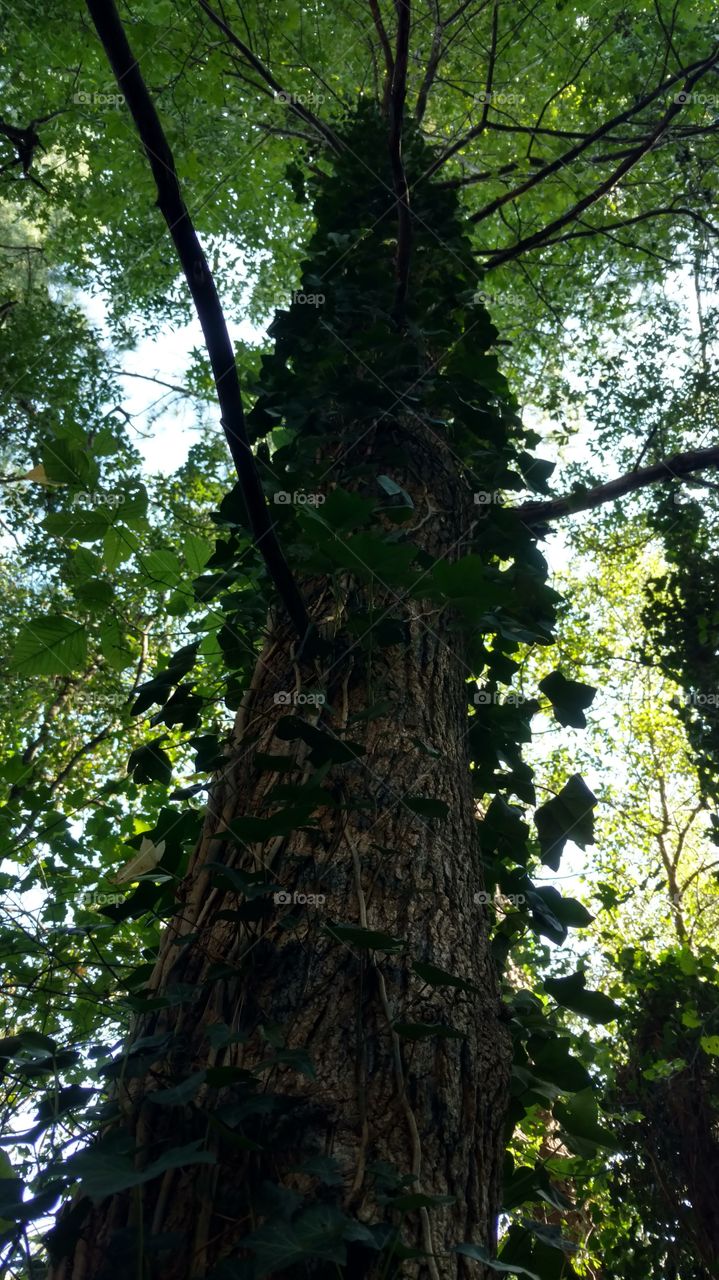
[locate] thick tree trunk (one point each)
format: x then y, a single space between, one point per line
432 1108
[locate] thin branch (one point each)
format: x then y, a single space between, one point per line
540 237
397 98
205 297
287 98
681 464
433 62
386 48
569 156
160 382
586 139
491 62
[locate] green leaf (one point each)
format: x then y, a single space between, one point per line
118 545
179 1094
50 646
480 1254
570 698
197 553
571 993
149 763
318 1232
324 746
436 977
68 463
163 568
104 1172
80 526
344 510
580 1117
114 646
567 816
554 1063
366 939
410 1200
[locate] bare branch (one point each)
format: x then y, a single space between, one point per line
681 464
569 156
386 48
205 297
287 98
397 98
542 236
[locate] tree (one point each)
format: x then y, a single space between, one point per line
323 1089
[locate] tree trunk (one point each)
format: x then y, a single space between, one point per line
431 1108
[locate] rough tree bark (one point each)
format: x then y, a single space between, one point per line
434 1107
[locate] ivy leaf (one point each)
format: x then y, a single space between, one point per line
366 939
555 1064
103 1171
567 816
410 1200
480 1254
324 746
569 698
572 993
436 977
580 1117
316 1233
50 646
149 763
343 510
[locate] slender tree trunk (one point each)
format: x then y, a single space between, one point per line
431 1108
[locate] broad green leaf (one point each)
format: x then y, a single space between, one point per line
50 646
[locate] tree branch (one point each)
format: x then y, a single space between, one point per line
540 237
680 464
289 100
386 48
569 156
397 98
205 297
